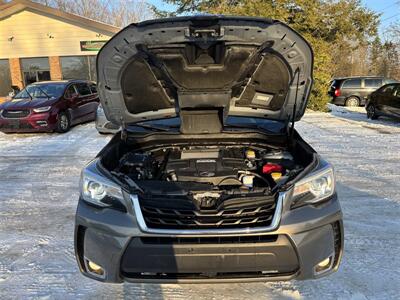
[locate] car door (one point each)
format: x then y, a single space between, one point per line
352 87
95 98
395 103
71 97
370 85
85 100
385 98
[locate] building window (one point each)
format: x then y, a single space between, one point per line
35 69
5 77
78 67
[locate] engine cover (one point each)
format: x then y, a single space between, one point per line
219 170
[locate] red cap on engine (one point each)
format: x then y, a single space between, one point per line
270 168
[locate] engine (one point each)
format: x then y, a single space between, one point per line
217 166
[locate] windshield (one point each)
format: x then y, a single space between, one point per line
231 123
53 90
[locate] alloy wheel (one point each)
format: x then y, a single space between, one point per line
352 102
64 122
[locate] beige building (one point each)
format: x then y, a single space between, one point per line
40 43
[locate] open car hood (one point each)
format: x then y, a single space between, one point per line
203 69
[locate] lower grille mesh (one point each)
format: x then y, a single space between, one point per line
16 126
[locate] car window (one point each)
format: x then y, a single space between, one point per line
70 92
387 89
93 88
396 92
22 94
41 91
352 83
372 82
391 81
83 89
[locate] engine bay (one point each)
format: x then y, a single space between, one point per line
219 167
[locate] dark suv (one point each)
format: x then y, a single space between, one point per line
384 102
354 91
208 180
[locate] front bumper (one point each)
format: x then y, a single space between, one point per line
35 122
305 237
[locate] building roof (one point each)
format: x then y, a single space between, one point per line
9 8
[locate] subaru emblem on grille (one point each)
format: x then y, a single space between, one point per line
206 200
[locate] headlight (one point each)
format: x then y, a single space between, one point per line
100 191
100 109
42 109
314 188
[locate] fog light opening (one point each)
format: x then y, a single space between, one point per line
94 268
41 123
324 265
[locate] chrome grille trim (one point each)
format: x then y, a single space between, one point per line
15 114
176 232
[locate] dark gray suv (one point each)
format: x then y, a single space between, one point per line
354 91
208 180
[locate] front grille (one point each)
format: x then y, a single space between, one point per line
181 213
14 114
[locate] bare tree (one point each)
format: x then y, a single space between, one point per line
115 12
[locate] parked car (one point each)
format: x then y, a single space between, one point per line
50 106
354 91
208 180
384 102
104 126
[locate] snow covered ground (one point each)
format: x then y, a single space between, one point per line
39 176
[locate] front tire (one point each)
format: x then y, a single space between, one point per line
63 122
352 101
371 112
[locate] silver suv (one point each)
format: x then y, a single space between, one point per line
208 180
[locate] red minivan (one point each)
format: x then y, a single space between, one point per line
50 106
